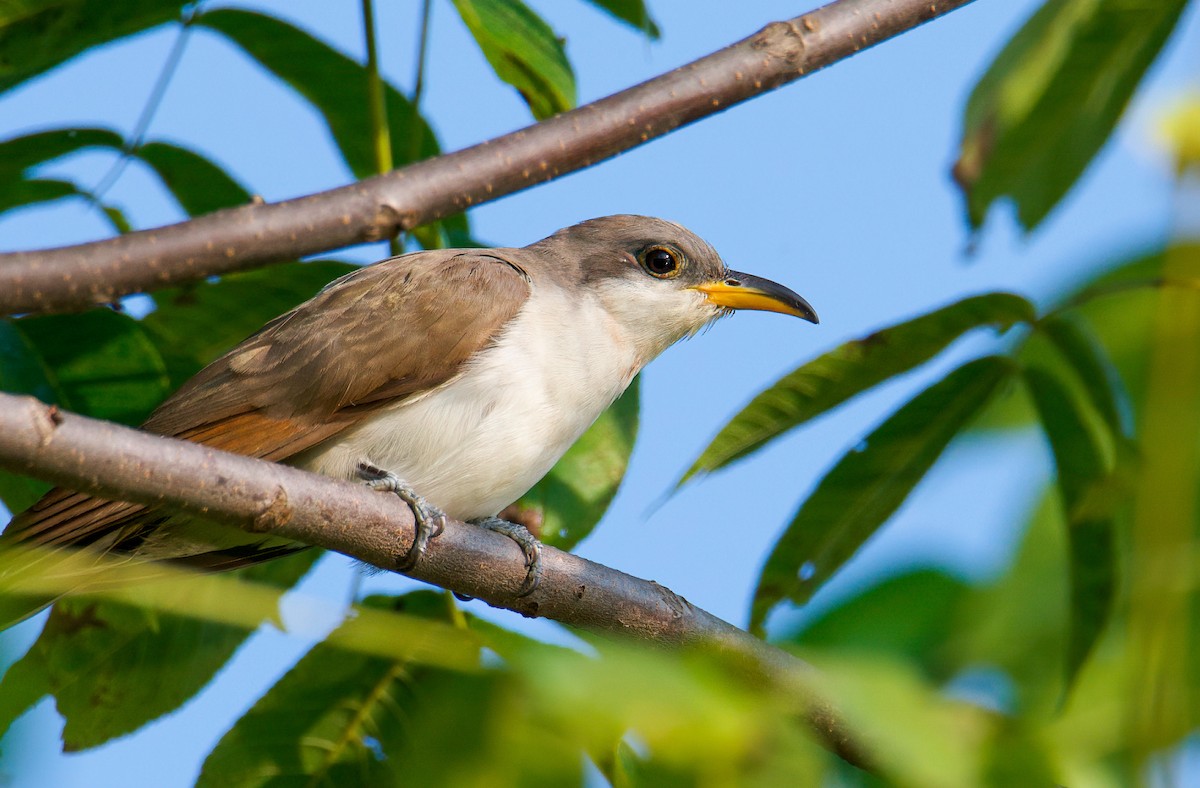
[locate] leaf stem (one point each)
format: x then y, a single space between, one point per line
422 50
376 105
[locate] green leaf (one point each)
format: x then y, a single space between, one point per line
851 369
1092 365
37 35
101 363
909 616
199 185
523 51
572 498
18 154
195 324
870 482
632 13
1089 501
112 667
1050 100
335 85
333 719
20 193
22 372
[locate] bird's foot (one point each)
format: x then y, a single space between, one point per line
429 520
529 545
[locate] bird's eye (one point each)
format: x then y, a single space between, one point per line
661 262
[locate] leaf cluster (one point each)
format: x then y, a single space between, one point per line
951 684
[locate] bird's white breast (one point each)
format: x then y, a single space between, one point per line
480 441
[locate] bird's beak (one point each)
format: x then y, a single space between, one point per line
743 291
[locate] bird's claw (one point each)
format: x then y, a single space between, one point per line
429 520
529 545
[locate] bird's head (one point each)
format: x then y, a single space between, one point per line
659 280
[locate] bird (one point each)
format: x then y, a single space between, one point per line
453 378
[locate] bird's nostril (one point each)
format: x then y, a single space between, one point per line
733 282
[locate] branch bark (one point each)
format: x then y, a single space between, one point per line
78 276
125 464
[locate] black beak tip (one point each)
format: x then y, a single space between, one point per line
810 314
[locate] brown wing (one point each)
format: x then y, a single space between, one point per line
373 337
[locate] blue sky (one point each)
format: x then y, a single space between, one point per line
837 186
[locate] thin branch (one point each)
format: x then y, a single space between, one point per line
153 102
121 463
74 277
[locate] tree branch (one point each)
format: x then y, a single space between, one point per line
261 497
75 277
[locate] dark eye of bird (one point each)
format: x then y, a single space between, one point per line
660 262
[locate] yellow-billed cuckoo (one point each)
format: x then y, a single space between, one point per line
455 378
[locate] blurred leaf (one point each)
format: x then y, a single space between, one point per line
112 667
1162 541
116 217
1095 370
523 51
199 185
101 363
1118 306
1083 474
851 369
1020 622
572 498
908 617
1052 97
335 85
20 193
917 737
1179 132
332 719
870 482
195 324
631 12
37 35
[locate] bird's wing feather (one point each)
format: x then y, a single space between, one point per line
374 337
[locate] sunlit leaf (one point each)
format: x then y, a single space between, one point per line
1162 539
195 324
112 668
851 369
199 185
36 35
632 13
523 51
1179 132
870 482
335 85
572 498
333 718
917 737
1051 99
101 363
1083 480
